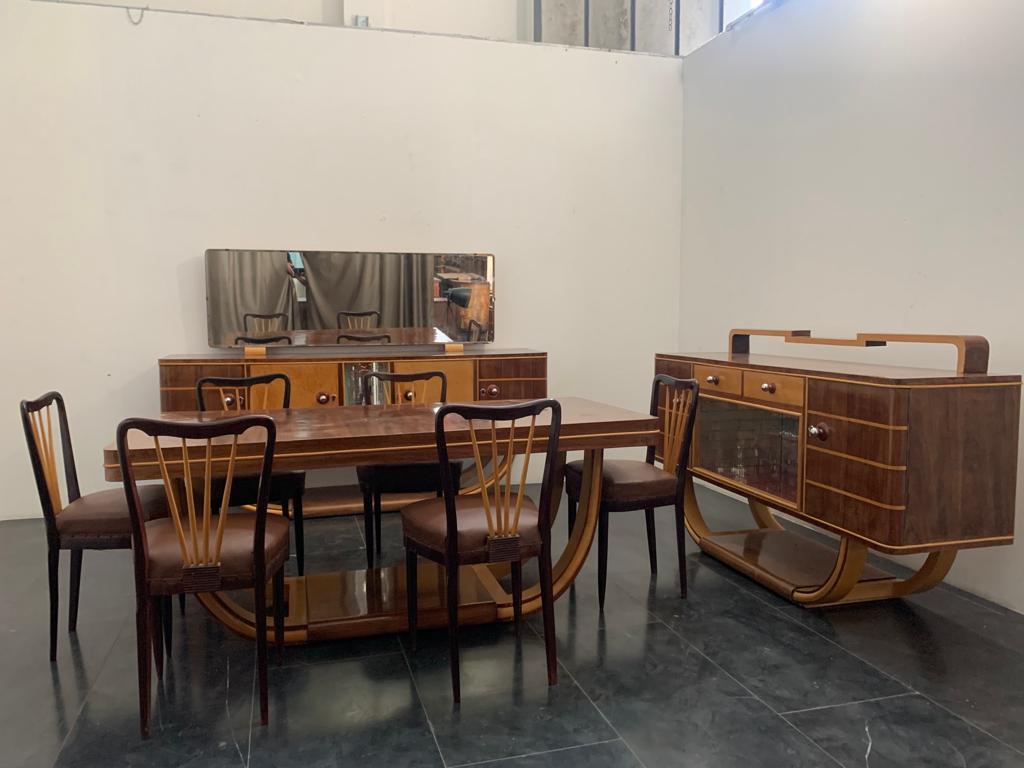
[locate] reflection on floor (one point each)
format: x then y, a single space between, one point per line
732 677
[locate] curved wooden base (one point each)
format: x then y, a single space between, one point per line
802 569
360 603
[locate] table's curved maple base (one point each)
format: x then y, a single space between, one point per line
369 602
804 570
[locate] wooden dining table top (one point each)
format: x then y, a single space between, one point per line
310 438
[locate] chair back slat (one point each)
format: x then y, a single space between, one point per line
42 434
501 503
264 323
678 400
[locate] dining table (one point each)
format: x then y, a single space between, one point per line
362 602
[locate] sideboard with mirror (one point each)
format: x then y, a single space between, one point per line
326 318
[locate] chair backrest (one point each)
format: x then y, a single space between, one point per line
497 424
37 420
359 320
262 340
213 446
674 401
259 323
364 337
245 393
404 388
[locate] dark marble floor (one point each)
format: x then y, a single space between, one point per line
731 677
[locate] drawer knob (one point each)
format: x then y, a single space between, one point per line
323 398
408 395
491 391
712 379
819 431
768 387
229 401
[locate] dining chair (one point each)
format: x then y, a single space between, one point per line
265 323
495 526
420 477
263 340
359 320
364 337
629 486
96 521
247 393
198 548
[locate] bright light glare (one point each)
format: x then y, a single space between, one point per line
755 4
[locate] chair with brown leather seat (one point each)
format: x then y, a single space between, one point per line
94 521
498 525
629 486
201 546
420 477
246 393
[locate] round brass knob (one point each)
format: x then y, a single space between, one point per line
819 431
408 395
493 391
712 379
323 398
229 401
768 387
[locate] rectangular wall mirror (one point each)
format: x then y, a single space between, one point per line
348 298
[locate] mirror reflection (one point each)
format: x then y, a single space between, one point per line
330 298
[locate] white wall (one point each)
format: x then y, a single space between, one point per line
856 165
126 151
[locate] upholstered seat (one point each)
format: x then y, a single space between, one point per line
164 571
425 523
627 483
100 520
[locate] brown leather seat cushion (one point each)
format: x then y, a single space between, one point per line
164 567
101 519
626 482
425 523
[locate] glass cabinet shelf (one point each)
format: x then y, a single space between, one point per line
748 446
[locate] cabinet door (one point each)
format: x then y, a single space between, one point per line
459 373
313 384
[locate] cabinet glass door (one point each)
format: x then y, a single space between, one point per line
749 446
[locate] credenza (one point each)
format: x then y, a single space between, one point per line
321 379
898 460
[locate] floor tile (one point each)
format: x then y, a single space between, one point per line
903 731
608 754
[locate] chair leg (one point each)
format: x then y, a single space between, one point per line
260 610
571 517
547 600
517 593
300 537
168 618
156 613
452 576
368 527
76 583
377 513
602 555
144 647
279 613
53 567
181 603
411 595
652 541
681 549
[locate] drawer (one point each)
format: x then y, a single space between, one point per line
678 369
314 385
773 387
880 486
511 390
178 376
713 379
876 443
861 402
513 367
